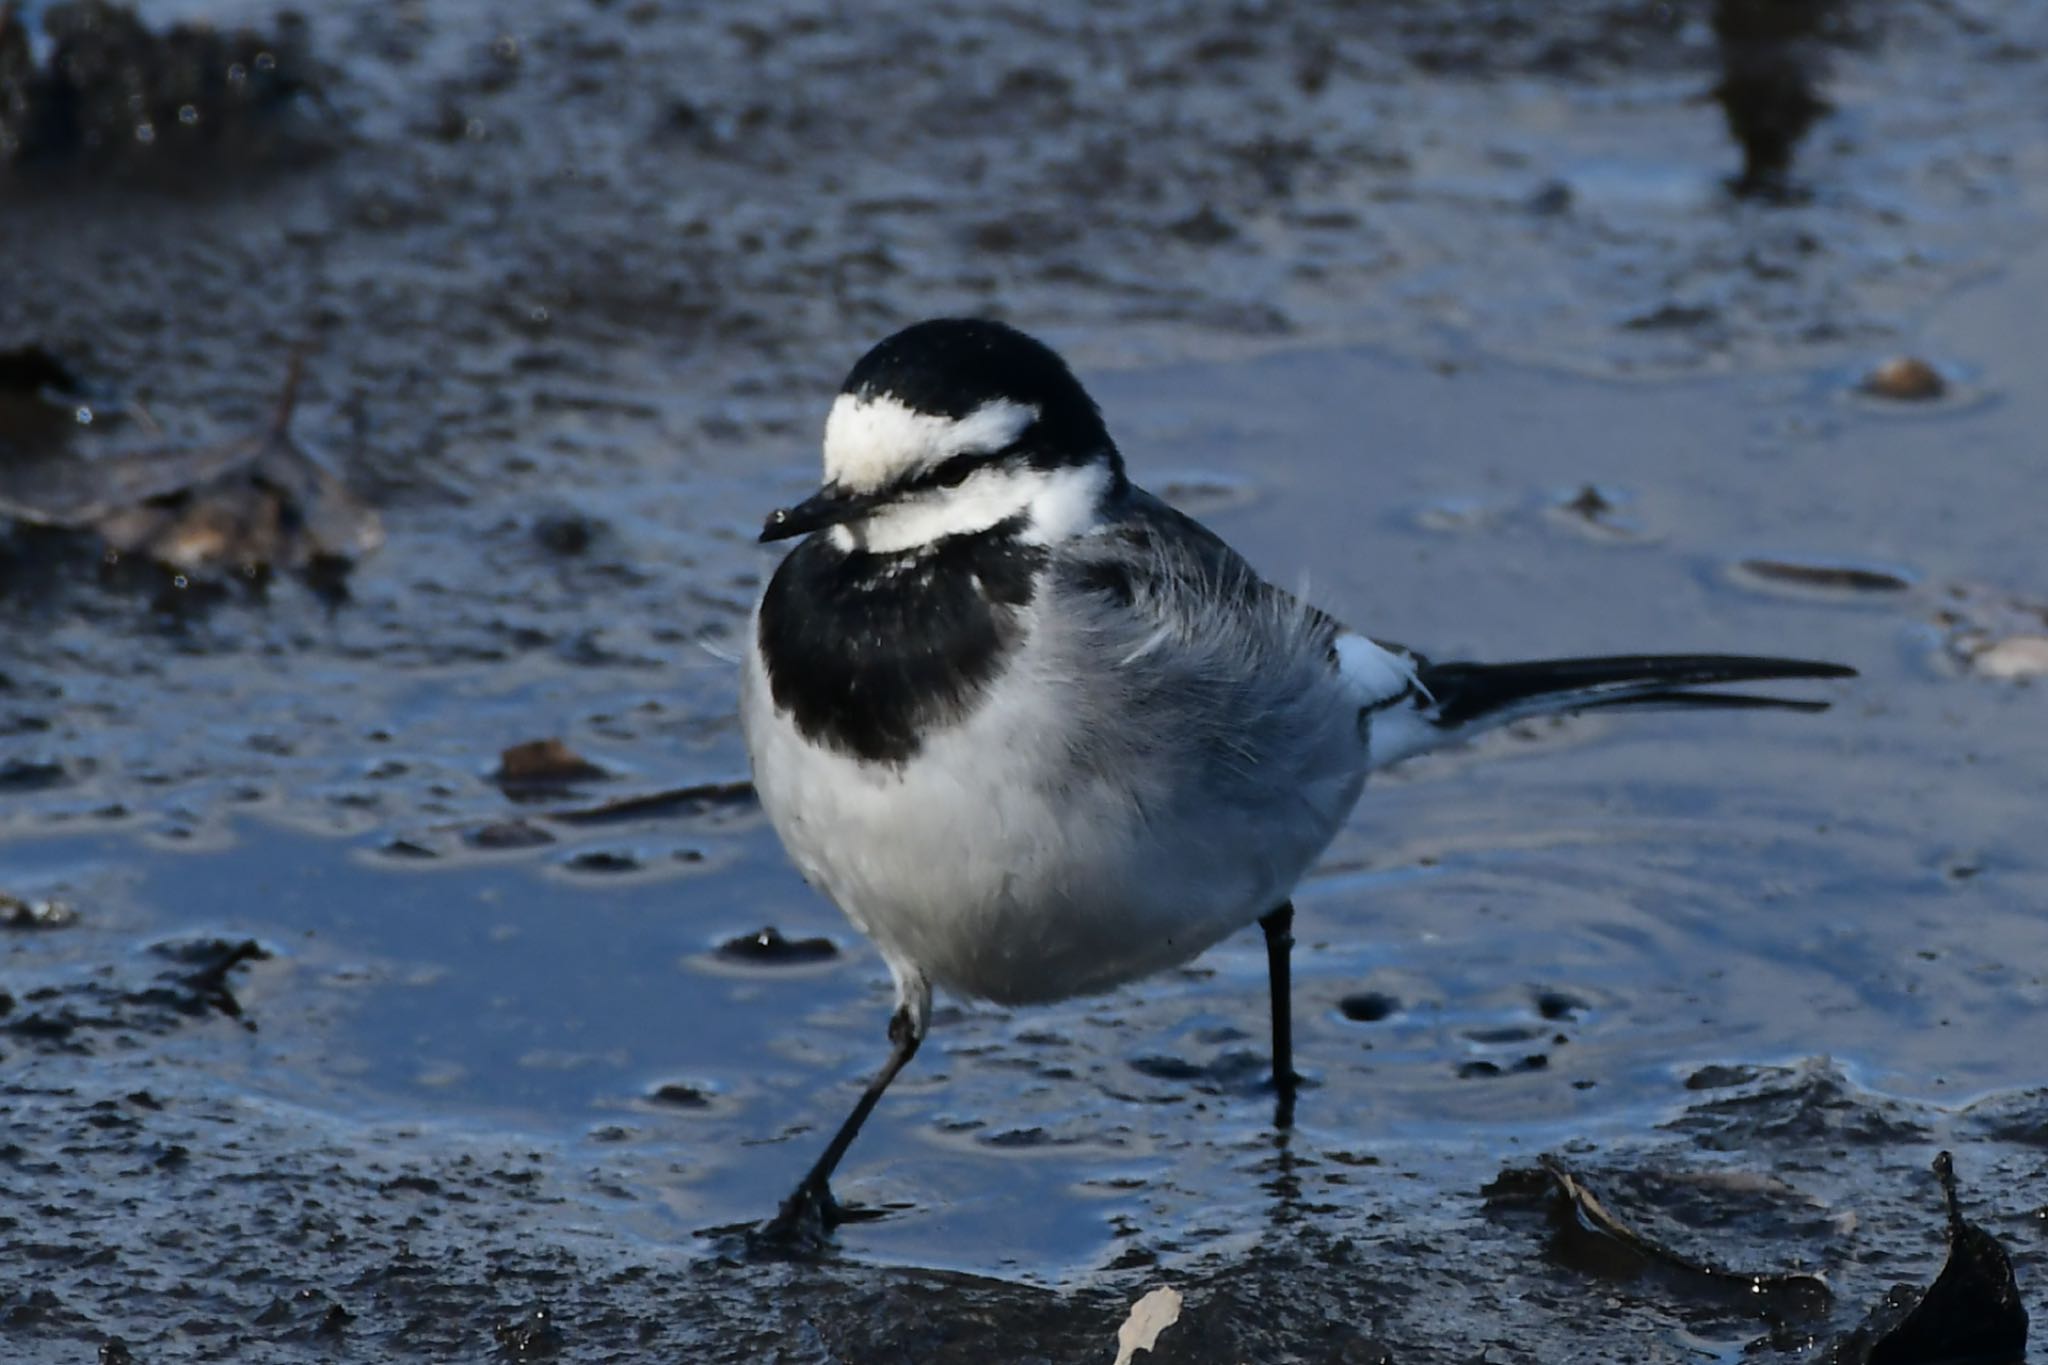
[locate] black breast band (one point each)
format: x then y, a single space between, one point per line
869 651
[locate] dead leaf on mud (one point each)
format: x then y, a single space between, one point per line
1824 576
694 799
1597 1234
205 985
2017 656
1994 634
1970 1315
1150 1315
543 765
259 503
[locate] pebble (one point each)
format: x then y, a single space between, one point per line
1907 379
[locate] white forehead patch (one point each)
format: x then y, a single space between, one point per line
873 441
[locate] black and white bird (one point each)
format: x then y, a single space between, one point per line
1039 734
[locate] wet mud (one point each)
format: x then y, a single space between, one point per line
393 961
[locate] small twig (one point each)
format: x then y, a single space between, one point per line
288 401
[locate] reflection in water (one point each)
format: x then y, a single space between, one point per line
1283 1181
1771 64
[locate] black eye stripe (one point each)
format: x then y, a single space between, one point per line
952 473
949 473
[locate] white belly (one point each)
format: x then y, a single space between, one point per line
996 866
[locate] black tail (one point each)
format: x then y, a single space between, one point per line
1465 693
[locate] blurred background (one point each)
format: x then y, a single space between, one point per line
393 962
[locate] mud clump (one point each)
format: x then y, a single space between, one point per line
680 1095
1369 1007
16 913
502 835
31 774
100 95
531 1337
768 947
603 862
73 1016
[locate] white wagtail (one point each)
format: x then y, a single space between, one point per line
1038 734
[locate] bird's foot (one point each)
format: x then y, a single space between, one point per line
807 1218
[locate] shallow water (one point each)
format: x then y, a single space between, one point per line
1809 948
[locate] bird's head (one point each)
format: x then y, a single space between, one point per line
951 427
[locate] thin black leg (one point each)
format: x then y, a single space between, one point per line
1279 927
811 1204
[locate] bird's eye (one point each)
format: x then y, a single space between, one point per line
954 472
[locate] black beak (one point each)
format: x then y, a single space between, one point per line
829 506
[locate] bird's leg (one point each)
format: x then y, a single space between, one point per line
811 1205
1279 927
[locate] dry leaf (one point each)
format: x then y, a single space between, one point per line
1792 1292
1972 1311
1150 1316
2016 656
261 501
545 763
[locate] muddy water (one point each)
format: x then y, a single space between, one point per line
500 1085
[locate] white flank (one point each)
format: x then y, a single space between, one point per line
1401 732
1376 674
871 442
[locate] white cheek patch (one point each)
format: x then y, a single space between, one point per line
1067 502
987 497
873 441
